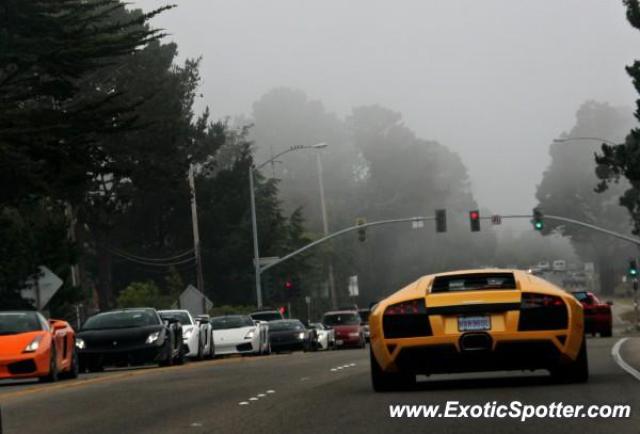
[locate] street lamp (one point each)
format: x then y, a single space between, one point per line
254 224
598 139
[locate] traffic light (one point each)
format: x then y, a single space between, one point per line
633 268
288 284
538 222
441 220
474 220
282 310
362 232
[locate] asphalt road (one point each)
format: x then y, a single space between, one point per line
302 392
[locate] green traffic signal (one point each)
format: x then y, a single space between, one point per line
538 222
633 268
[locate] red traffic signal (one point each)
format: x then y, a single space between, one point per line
282 310
474 220
288 284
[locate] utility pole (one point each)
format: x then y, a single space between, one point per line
325 227
254 226
196 239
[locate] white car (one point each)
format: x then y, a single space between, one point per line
325 337
206 336
190 332
239 334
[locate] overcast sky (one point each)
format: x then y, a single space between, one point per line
494 80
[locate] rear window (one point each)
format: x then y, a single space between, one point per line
334 319
473 282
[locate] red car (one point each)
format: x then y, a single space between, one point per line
597 315
347 326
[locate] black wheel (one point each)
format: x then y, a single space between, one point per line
605 333
387 381
576 371
53 368
74 369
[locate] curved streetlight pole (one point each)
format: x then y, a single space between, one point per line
598 139
254 223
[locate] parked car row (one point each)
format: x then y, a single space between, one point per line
34 347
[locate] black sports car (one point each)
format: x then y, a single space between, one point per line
289 335
128 337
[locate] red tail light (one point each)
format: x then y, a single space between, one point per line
542 312
530 301
411 307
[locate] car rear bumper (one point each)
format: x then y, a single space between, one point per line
505 351
348 341
24 365
597 323
124 356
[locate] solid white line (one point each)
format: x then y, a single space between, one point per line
615 353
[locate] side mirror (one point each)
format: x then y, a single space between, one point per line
57 324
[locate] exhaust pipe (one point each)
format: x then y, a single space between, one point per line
475 342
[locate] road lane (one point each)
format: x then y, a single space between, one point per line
313 392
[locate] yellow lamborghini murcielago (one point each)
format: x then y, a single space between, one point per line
476 320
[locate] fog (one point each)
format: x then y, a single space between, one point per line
494 80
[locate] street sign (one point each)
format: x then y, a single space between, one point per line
42 289
307 299
353 286
417 224
496 219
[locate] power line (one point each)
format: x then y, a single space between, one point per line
155 264
128 255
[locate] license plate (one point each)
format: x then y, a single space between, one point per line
339 342
473 323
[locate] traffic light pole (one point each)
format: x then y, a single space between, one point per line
627 238
342 232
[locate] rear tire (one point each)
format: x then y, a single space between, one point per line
382 381
606 334
74 369
576 371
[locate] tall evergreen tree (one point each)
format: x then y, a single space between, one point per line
623 161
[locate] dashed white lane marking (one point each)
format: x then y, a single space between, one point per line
257 397
304 378
340 368
615 353
196 424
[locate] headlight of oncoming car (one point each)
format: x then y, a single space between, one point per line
153 337
33 345
250 334
187 334
80 344
301 335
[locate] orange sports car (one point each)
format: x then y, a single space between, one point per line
32 347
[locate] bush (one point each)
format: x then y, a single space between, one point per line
143 294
